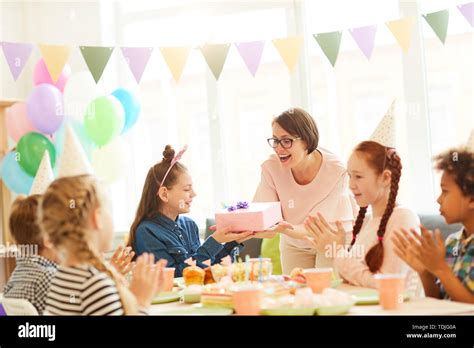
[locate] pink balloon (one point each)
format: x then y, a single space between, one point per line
41 75
17 121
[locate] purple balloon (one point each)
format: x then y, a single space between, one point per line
46 108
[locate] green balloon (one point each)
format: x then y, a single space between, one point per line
30 150
104 119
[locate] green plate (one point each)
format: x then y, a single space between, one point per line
166 297
371 297
333 310
336 282
287 311
197 311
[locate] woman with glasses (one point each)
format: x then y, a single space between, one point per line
306 180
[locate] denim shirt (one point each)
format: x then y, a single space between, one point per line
177 241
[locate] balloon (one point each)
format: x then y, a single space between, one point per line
41 75
79 91
30 150
45 108
80 131
14 176
104 119
110 161
17 121
131 106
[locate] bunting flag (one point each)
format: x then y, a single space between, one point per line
55 58
467 11
17 55
137 59
402 30
96 59
215 56
365 38
289 49
176 58
251 53
438 21
329 43
44 176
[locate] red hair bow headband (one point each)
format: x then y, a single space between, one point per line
173 161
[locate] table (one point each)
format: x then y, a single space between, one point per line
416 306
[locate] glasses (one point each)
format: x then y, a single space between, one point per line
285 143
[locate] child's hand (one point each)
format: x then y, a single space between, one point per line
322 234
147 279
225 235
432 251
122 259
406 248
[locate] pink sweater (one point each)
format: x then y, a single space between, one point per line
353 268
328 193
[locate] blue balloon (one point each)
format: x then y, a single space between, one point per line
16 179
131 106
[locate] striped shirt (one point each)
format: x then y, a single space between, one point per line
83 290
31 280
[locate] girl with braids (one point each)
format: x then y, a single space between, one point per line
374 174
446 268
160 229
75 214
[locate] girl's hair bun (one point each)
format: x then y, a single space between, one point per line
168 153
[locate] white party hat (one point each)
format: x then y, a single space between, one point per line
385 133
44 176
470 142
73 160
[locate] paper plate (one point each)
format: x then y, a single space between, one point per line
371 297
287 311
197 311
333 310
165 297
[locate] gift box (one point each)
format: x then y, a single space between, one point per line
249 216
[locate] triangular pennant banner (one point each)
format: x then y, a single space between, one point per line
365 38
44 176
438 21
402 30
137 59
251 53
17 55
215 56
55 58
176 58
73 160
289 49
96 59
329 43
467 11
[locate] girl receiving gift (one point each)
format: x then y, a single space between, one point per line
305 179
375 169
160 229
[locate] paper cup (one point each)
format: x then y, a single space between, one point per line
318 279
168 277
390 288
247 300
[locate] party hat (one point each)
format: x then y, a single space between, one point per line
385 133
73 160
44 176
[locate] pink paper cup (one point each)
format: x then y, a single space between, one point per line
168 278
247 301
318 279
390 287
